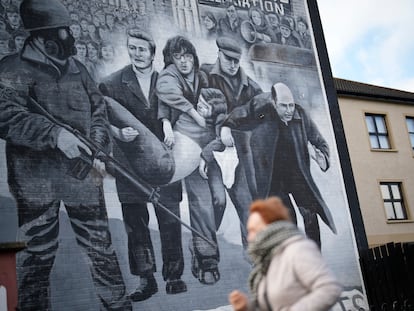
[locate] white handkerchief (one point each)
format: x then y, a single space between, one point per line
227 161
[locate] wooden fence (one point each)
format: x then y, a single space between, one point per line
388 272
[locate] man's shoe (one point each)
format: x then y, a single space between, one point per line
122 305
209 277
145 290
175 286
207 272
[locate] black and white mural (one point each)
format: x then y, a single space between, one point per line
136 133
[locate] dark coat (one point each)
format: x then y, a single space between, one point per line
246 91
247 87
261 113
291 40
175 95
305 40
123 86
225 29
265 29
37 170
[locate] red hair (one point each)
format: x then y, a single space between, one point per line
271 209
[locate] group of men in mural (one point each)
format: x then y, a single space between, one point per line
258 27
217 106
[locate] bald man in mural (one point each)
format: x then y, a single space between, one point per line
282 158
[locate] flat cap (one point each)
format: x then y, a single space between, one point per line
229 47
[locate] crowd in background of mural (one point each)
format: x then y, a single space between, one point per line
94 24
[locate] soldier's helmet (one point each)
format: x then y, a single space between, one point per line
44 14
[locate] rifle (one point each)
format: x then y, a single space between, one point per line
84 164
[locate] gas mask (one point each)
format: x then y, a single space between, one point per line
59 43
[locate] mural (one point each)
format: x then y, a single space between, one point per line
135 135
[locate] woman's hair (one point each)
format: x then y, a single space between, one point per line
94 44
178 44
216 99
106 44
75 23
271 209
262 16
211 17
81 42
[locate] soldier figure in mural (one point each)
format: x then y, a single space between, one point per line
227 76
162 129
288 130
40 154
134 88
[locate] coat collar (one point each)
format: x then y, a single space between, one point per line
286 243
216 70
265 100
128 76
174 71
130 79
296 114
233 25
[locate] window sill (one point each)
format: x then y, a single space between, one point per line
384 150
401 221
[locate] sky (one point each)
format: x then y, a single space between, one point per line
370 41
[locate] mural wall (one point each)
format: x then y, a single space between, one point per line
190 110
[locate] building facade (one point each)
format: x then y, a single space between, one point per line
379 129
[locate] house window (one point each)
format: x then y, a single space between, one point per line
393 200
410 127
377 129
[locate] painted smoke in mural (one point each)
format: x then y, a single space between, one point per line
210 104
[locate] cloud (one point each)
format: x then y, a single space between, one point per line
370 40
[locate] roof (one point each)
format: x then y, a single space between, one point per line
358 89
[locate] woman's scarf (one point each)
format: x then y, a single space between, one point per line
261 250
